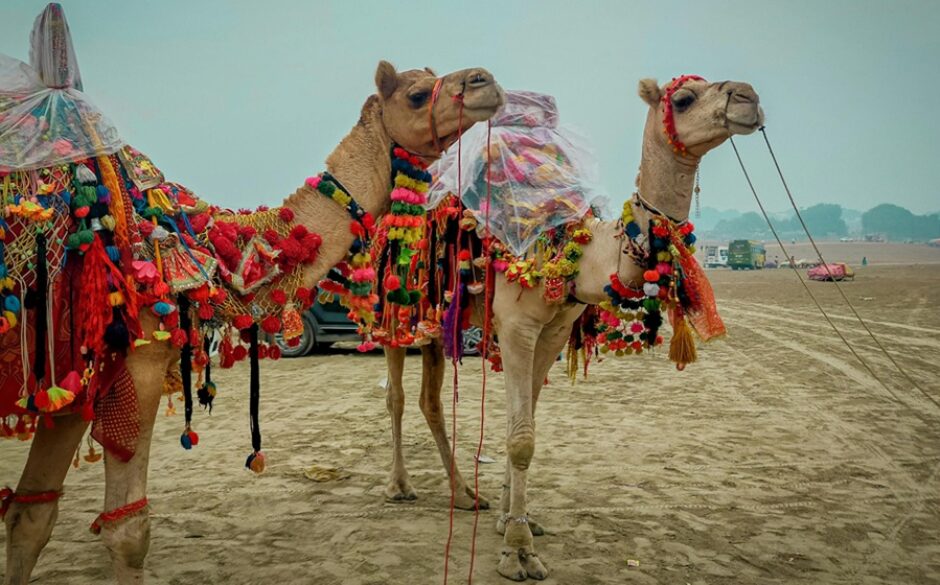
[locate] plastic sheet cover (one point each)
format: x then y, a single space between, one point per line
45 119
542 175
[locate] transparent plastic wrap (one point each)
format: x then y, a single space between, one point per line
45 119
541 175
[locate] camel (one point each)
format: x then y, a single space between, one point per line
533 332
405 111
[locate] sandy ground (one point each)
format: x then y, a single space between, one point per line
775 459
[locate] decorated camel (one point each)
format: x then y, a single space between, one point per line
165 268
635 268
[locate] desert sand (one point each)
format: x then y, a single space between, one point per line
774 459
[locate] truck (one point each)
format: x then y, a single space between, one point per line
716 256
746 255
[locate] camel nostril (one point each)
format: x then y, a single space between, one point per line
743 98
478 80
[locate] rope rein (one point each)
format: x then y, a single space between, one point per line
809 291
845 297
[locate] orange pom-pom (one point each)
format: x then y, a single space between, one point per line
651 276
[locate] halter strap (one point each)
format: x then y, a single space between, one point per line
435 94
669 121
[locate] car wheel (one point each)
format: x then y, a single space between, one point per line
307 341
472 338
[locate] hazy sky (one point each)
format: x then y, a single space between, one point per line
241 100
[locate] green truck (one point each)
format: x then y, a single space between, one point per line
746 255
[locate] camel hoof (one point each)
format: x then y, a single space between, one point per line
510 566
467 501
397 492
532 565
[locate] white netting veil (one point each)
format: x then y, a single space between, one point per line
45 119
542 175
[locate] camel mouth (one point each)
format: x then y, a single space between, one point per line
746 124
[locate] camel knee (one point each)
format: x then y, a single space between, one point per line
521 447
431 407
395 399
128 541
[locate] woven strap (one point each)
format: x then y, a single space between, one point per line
118 514
8 497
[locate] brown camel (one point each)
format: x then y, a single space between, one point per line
397 114
533 332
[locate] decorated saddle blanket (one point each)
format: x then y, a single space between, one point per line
87 248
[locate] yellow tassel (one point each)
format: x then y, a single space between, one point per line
682 346
572 363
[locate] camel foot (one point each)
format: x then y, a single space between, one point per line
400 491
534 526
510 565
466 500
518 564
532 565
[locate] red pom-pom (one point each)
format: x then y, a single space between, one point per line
464 255
302 294
262 352
194 338
239 353
392 282
278 296
651 276
205 311
274 353
178 337
146 228
299 231
286 214
242 321
199 295
293 342
271 324
272 236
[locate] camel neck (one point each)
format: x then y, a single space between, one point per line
362 164
666 178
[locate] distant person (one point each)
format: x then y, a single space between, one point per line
864 260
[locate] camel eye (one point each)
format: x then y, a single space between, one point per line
682 102
418 99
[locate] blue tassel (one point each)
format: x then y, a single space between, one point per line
113 253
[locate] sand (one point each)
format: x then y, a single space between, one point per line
775 459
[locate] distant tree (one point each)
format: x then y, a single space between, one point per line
823 219
898 223
747 225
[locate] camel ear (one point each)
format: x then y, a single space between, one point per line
386 79
430 71
649 91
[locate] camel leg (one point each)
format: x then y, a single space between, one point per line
550 344
432 379
399 485
128 538
29 526
518 339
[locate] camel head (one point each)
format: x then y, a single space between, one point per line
693 116
422 112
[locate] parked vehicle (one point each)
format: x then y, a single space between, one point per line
746 255
716 256
328 323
